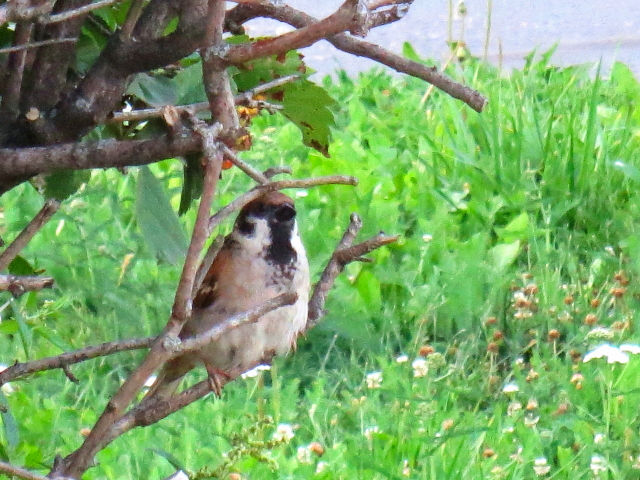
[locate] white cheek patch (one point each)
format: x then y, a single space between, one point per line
258 241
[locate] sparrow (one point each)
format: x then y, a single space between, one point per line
260 259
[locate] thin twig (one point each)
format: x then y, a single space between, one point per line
207 260
77 12
132 18
344 253
12 84
75 464
19 12
240 99
252 172
19 472
17 285
47 211
41 43
20 370
349 44
259 190
150 410
273 171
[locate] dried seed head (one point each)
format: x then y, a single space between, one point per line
491 321
532 404
493 347
532 375
590 319
498 335
316 448
488 452
568 300
447 424
553 335
618 292
595 303
531 289
562 409
426 350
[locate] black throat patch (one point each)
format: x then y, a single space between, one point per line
280 250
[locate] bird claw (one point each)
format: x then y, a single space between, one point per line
215 374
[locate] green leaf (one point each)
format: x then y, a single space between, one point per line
9 423
266 69
63 183
19 266
172 459
24 330
369 289
157 220
192 184
53 338
628 170
516 229
8 327
307 105
409 52
154 90
504 254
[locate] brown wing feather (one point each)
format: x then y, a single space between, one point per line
207 293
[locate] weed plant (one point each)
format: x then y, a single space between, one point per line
459 353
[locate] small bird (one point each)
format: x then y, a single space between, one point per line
260 259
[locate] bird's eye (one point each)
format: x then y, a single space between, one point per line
285 213
245 226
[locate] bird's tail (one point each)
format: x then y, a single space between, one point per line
169 379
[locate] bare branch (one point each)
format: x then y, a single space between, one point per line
215 77
346 43
78 12
344 254
240 99
17 285
135 10
19 472
152 410
42 43
273 171
343 19
12 83
19 12
181 310
49 208
77 462
19 164
259 190
19 370
255 174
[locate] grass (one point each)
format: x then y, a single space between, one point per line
519 255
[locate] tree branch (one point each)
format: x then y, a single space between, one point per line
12 83
21 47
19 164
259 190
65 15
19 472
17 285
49 208
299 19
19 370
240 99
343 19
77 462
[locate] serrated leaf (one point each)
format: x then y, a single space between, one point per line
307 105
192 184
19 266
63 183
9 423
157 220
